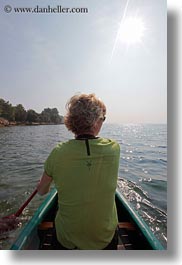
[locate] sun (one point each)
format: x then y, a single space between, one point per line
131 30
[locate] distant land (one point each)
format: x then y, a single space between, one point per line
17 115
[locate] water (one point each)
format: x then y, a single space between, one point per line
142 173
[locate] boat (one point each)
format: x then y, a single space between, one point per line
134 233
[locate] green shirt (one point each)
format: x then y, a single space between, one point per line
86 182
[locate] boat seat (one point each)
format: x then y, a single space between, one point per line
123 231
46 225
45 232
124 242
126 225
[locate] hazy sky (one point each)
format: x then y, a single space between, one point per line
46 58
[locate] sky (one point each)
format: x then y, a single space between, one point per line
117 50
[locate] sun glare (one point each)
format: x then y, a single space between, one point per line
131 30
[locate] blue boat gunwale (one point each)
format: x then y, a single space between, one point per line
140 223
35 220
49 202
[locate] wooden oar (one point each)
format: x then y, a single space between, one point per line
10 222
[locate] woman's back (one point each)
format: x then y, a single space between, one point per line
85 175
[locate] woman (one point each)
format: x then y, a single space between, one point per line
84 171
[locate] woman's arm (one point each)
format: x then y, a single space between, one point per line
44 184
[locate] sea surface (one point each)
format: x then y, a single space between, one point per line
142 173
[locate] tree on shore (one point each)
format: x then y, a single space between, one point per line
51 116
19 114
32 116
7 111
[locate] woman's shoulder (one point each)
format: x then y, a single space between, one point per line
109 141
61 146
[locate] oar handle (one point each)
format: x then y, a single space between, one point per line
25 203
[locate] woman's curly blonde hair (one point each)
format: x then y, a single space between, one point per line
83 111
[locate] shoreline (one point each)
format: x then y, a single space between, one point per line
6 123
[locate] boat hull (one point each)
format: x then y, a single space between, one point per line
133 231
